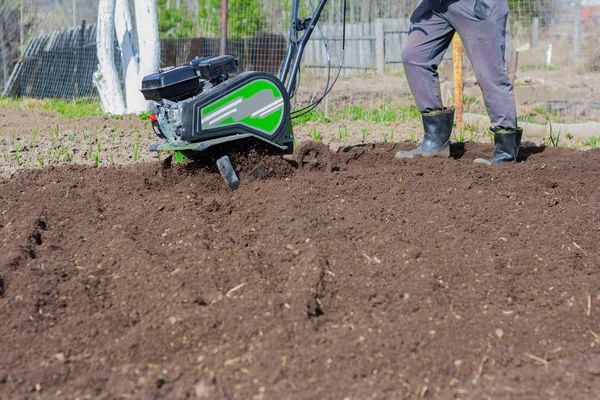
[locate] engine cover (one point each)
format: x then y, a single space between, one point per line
254 103
175 84
171 84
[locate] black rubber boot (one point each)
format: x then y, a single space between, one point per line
436 140
507 146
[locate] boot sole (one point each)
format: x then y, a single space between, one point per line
443 153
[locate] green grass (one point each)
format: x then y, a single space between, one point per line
526 118
136 149
73 109
470 100
466 133
343 133
364 133
97 158
553 138
145 115
316 135
65 108
414 137
18 154
384 137
537 67
459 135
77 108
386 112
549 116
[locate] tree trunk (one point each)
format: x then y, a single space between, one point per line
105 78
146 20
129 59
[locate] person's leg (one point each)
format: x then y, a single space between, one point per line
429 37
481 25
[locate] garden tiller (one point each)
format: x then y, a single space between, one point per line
205 104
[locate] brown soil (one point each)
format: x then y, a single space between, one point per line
374 279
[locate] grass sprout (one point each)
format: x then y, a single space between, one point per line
552 138
316 135
384 137
459 135
18 153
34 136
593 142
414 137
343 132
97 154
136 148
364 133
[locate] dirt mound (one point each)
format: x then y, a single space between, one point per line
382 279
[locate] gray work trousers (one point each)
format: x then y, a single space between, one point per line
481 25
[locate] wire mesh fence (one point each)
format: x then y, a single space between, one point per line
550 43
57 66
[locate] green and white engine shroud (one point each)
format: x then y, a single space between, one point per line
251 104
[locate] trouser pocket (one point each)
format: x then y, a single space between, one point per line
420 12
481 9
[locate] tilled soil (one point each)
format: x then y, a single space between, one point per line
374 279
30 140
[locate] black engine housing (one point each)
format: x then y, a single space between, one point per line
177 83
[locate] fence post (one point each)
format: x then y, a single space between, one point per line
577 33
224 17
535 32
21 30
78 58
379 46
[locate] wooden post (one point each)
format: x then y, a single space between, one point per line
535 32
224 17
379 46
458 80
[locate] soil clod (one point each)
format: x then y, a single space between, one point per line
313 156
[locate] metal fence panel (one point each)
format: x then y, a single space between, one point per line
552 43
